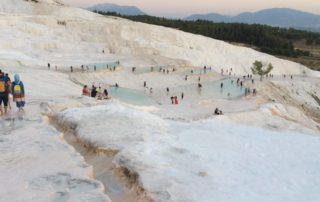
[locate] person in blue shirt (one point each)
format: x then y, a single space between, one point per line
18 92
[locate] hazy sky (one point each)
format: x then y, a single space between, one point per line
183 8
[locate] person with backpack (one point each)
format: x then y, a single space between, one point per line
18 92
3 93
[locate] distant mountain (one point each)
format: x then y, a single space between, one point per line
280 17
123 10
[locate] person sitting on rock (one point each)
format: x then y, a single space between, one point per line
105 94
217 112
85 91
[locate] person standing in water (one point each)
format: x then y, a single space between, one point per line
18 92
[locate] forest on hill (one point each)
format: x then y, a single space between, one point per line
271 40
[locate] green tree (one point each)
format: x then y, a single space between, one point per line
260 69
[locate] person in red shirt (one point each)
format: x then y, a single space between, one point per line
85 91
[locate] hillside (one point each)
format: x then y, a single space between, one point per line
273 40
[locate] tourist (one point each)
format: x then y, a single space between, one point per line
254 92
199 85
182 96
4 86
117 86
71 69
18 92
168 90
176 100
105 94
218 112
48 66
199 79
186 78
144 84
99 93
93 91
172 100
252 81
8 89
95 68
85 91
221 85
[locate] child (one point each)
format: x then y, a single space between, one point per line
18 92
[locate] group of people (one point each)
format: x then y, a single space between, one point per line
87 68
7 88
174 100
95 92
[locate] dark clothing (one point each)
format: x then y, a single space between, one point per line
4 98
94 92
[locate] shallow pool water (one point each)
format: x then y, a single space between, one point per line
209 90
131 96
228 91
145 70
101 66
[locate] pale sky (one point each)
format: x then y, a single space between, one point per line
183 8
